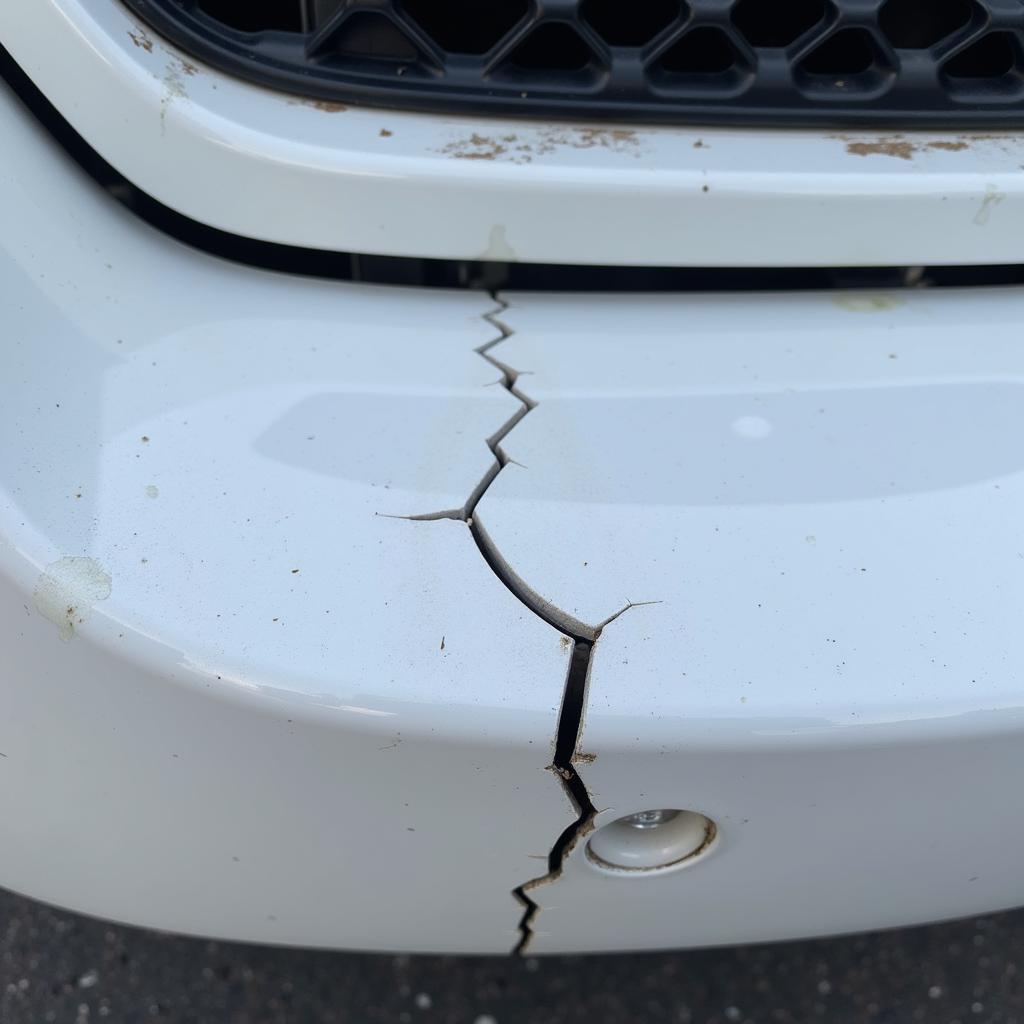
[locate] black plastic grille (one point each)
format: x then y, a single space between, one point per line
906 63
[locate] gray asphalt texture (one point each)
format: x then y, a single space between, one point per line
56 966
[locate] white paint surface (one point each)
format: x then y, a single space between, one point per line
294 718
287 716
270 166
832 667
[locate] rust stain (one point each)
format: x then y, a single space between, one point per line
141 39
327 106
477 147
894 145
521 149
903 148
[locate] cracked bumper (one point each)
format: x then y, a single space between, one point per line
242 696
239 696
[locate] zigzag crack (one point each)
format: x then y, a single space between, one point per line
584 637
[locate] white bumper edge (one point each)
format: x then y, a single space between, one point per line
270 166
242 696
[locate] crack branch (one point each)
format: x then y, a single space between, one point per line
584 637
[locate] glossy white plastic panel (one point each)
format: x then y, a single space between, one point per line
270 166
237 696
823 495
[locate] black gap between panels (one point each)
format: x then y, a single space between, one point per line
475 274
827 63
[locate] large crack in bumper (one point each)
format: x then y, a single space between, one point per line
239 696
243 696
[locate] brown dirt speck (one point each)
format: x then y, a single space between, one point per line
385 134
327 106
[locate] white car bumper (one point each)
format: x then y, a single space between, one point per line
243 695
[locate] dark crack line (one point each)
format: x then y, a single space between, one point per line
570 725
574 695
584 637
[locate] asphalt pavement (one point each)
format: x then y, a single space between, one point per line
56 966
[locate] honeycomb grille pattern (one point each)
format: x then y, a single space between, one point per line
906 63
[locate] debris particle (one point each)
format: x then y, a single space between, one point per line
423 1001
88 979
144 439
385 134
294 571
442 643
152 491
67 589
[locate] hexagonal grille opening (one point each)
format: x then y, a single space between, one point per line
777 24
918 24
848 52
646 19
703 51
993 56
367 34
466 26
894 64
552 47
